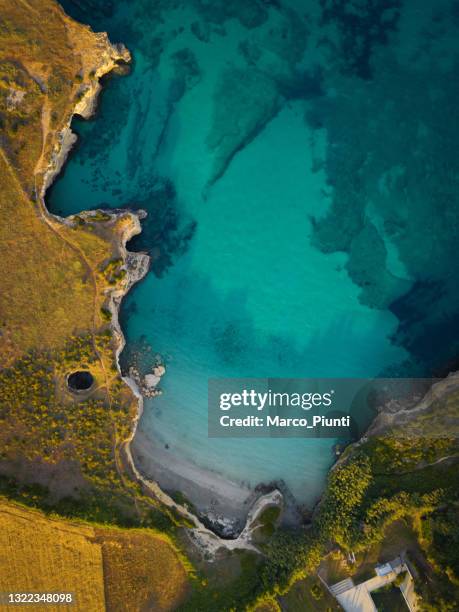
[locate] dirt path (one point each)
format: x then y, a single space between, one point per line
45 121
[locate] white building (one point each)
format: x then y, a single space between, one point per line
357 598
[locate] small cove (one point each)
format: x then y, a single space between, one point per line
239 286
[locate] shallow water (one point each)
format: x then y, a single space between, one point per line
302 200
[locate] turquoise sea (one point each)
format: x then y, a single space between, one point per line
298 163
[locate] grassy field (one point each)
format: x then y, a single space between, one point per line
141 571
389 600
105 568
309 594
43 555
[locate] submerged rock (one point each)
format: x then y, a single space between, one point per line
148 383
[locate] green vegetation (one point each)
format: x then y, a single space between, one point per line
181 499
99 215
342 501
389 599
113 271
364 497
234 591
106 314
317 591
42 424
267 521
427 497
41 419
400 578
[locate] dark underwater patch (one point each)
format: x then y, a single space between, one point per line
302 85
392 165
89 11
165 232
250 13
187 72
362 24
137 353
429 324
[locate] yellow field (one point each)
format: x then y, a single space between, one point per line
105 568
141 571
42 555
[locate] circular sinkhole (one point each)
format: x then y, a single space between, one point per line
81 380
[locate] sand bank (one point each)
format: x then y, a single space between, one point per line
219 499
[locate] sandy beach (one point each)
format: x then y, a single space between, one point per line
210 493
